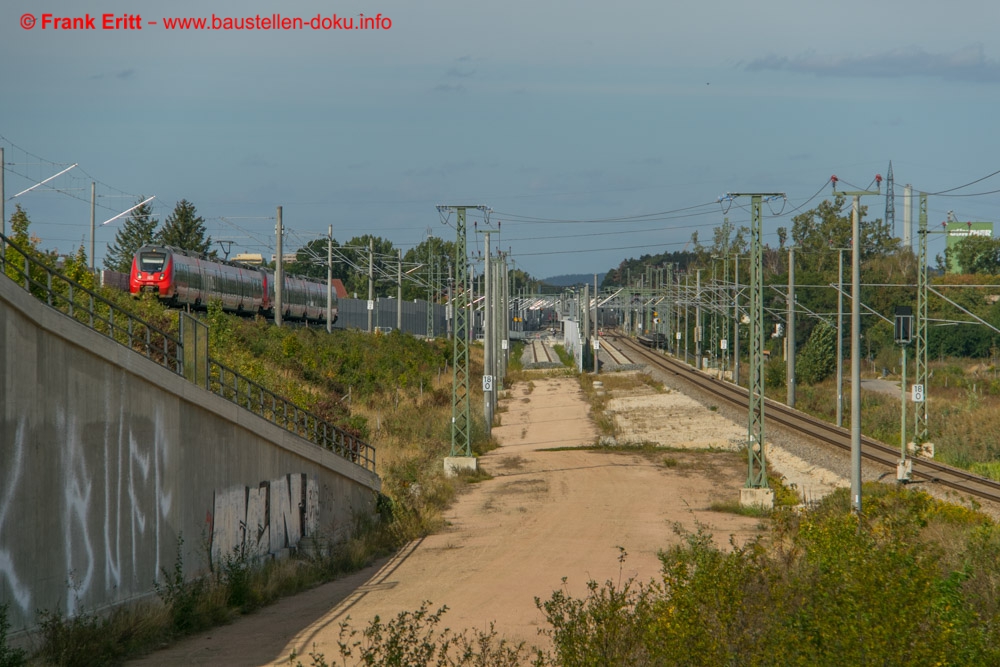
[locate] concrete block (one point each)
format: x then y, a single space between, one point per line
455 464
763 498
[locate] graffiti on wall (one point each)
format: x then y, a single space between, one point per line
105 538
264 519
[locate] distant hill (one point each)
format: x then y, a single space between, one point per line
572 279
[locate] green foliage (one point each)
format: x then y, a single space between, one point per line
185 229
435 255
23 244
564 356
775 370
237 572
975 254
611 625
9 657
413 638
139 229
629 270
990 469
353 257
183 598
912 582
818 358
84 640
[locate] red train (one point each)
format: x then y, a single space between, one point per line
181 278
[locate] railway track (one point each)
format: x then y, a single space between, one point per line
541 353
924 470
617 358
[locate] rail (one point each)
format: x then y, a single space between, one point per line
100 314
924 470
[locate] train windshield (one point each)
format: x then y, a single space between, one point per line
151 262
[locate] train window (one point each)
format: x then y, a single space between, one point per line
151 262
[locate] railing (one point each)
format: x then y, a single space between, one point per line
103 316
246 393
89 308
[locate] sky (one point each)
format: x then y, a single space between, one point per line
593 131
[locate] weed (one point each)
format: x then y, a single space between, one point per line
514 462
473 476
184 599
413 638
9 657
237 571
734 507
669 462
565 357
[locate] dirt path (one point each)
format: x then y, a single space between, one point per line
545 515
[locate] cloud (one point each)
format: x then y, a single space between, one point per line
968 64
454 71
121 74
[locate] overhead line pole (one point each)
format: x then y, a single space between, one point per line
855 339
840 337
920 428
488 340
3 213
790 333
371 281
279 276
756 491
736 320
461 421
93 221
329 281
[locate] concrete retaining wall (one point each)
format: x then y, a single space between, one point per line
106 459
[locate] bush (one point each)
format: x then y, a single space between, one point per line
9 657
818 359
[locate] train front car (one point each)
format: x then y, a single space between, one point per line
152 272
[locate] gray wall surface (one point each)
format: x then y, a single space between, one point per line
106 459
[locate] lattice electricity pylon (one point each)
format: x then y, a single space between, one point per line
757 464
890 202
920 376
461 420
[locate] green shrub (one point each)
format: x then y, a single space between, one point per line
9 657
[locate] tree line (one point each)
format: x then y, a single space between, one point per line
821 237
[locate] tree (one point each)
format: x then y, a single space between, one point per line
975 254
818 359
138 230
185 229
310 260
434 256
354 257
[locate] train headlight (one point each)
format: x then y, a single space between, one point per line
162 275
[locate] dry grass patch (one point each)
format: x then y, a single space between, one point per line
514 462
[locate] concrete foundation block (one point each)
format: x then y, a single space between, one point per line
763 498
456 464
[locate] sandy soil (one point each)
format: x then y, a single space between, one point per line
673 419
546 514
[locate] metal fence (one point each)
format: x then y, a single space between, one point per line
103 316
353 314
